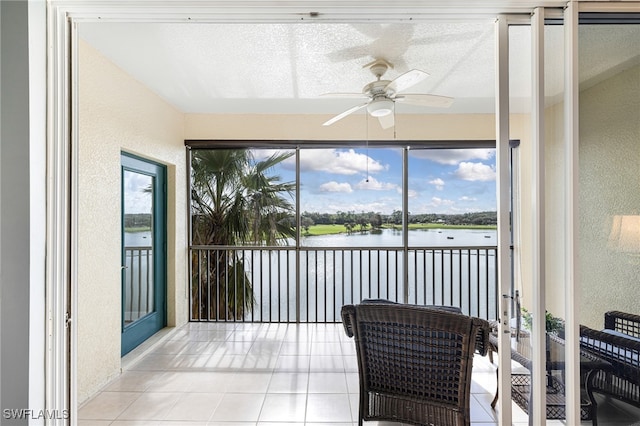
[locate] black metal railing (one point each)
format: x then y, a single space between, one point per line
138 286
283 284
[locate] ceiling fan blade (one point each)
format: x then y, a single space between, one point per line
387 121
422 99
344 114
406 80
344 95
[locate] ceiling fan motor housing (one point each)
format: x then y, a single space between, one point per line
378 88
380 106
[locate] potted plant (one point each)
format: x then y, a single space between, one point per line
553 324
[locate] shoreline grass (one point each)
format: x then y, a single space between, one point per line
134 229
332 229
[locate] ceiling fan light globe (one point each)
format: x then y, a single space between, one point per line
380 107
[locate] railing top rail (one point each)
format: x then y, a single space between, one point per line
340 248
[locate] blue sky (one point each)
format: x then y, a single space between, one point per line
360 179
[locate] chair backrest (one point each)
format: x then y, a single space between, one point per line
414 362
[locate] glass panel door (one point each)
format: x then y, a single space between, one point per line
609 206
143 251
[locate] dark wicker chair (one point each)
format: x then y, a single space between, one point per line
619 344
414 362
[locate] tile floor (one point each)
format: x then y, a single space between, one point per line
231 374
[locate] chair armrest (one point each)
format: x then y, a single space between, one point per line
623 322
348 314
622 352
482 336
604 338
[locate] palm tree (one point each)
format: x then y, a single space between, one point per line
234 203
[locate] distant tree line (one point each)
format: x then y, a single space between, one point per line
137 220
362 220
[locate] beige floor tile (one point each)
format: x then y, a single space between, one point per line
156 423
107 405
328 408
268 375
94 422
288 383
292 363
284 408
150 406
216 423
326 363
239 407
133 381
327 383
194 407
248 382
296 348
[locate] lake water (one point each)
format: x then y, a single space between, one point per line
417 238
137 239
386 238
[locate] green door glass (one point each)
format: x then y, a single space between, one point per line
143 250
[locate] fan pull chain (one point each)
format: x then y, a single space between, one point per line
367 146
395 122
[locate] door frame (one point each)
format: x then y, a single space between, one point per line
62 132
143 328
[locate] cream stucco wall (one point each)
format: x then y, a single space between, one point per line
354 127
117 113
609 185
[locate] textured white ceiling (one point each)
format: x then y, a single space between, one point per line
284 68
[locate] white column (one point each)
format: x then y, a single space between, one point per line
538 373
572 299
504 240
60 388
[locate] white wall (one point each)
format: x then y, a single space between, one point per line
117 113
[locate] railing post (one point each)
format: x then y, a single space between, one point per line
405 224
298 226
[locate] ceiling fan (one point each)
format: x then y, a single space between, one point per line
383 94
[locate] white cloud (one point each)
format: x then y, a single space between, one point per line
138 200
475 172
466 198
439 202
375 185
438 183
264 153
337 161
334 186
382 206
453 156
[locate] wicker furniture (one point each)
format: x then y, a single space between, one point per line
590 366
414 362
619 344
